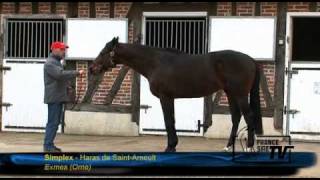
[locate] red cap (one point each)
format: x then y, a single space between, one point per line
58 45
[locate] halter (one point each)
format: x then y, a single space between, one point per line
113 64
111 54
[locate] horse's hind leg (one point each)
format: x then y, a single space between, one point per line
248 116
168 114
236 117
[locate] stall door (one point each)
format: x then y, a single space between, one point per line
23 90
26 47
187 34
304 118
188 114
302 72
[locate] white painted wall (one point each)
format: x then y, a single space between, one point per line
250 35
87 37
99 123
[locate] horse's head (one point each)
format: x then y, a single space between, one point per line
105 59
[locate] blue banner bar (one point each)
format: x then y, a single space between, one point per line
188 159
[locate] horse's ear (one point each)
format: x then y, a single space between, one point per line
115 40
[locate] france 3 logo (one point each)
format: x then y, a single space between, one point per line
280 144
266 149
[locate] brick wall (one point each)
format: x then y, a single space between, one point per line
8 7
61 7
247 9
298 6
83 9
124 94
44 7
102 9
82 82
25 8
224 8
268 9
121 9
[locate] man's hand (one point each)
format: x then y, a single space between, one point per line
81 72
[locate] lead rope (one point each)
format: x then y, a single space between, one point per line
77 95
73 106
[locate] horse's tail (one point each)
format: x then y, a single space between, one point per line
255 102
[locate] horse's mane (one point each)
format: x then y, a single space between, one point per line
170 50
173 50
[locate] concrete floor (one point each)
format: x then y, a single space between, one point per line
32 142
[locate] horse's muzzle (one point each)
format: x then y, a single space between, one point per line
92 70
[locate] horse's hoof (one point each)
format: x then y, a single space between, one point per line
227 149
249 149
170 150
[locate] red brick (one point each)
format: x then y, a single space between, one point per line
298 7
268 8
102 9
224 8
25 8
44 7
8 7
122 8
61 7
245 8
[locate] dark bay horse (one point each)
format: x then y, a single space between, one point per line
174 74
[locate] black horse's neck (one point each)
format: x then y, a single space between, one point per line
136 57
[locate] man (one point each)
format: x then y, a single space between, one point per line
55 82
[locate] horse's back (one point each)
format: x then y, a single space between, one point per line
235 69
228 55
231 58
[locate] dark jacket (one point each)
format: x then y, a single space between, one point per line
56 81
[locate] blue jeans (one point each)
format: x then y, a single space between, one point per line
54 119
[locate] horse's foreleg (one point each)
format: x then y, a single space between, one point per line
168 114
248 116
236 117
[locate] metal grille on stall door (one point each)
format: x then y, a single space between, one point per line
185 34
31 38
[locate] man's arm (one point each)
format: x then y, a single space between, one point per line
58 73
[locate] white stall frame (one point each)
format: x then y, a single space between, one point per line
34 118
39 125
289 65
244 36
188 129
102 36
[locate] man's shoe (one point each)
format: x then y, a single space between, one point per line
52 149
